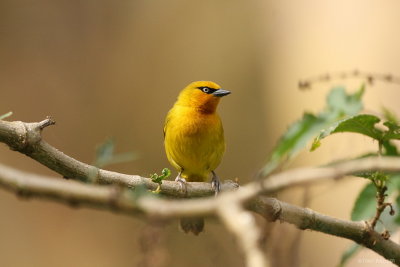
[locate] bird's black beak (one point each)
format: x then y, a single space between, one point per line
221 93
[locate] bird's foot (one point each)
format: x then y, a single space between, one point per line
182 182
215 183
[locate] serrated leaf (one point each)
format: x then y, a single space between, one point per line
363 124
339 105
349 253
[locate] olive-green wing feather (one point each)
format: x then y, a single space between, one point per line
166 123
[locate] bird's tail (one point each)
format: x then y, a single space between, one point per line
194 225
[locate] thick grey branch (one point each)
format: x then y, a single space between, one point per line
305 218
117 199
26 138
111 197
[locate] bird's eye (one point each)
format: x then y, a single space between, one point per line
205 90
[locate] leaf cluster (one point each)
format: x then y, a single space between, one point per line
366 125
341 115
340 105
165 173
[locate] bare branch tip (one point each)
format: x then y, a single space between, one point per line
46 122
304 85
385 235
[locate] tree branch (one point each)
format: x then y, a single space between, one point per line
114 198
26 138
304 218
369 77
242 224
302 176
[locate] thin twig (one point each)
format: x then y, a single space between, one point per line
369 77
303 176
381 205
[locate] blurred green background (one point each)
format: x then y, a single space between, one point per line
114 68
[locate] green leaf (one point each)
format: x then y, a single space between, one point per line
364 207
339 105
295 138
393 131
397 219
105 154
389 115
362 124
390 149
346 104
349 253
165 173
8 114
315 144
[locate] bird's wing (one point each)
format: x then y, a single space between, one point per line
165 128
166 123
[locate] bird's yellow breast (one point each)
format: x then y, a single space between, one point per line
194 141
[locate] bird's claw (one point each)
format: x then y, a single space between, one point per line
216 186
215 183
182 183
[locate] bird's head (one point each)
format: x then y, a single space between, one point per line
202 95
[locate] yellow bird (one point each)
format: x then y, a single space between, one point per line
194 138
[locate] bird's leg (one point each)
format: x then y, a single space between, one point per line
181 181
215 184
